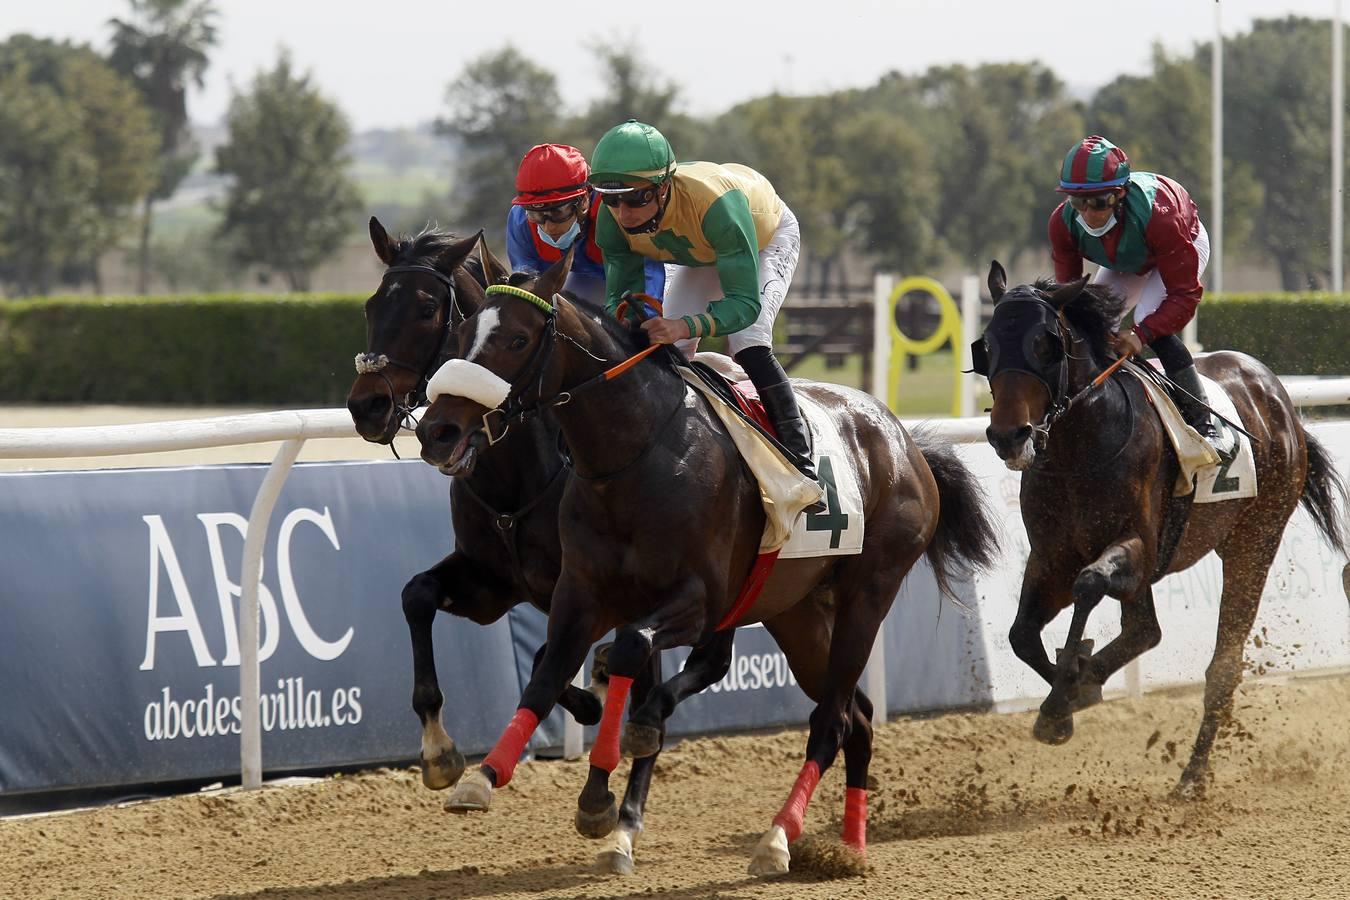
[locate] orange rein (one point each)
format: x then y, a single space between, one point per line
1107 372
611 374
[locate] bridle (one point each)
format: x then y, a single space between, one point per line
376 363
1014 354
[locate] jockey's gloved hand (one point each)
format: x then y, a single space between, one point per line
635 308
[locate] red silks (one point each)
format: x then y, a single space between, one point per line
750 590
605 752
503 758
794 810
855 818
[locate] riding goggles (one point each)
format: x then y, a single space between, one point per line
1098 202
634 199
555 214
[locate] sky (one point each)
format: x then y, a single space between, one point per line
387 64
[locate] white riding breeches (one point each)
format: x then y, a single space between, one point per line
689 290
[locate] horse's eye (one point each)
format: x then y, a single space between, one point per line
428 310
518 342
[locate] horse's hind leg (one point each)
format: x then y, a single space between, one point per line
858 617
1246 561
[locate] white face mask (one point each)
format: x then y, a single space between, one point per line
1096 232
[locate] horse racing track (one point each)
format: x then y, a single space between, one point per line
963 805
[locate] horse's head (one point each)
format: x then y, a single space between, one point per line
422 296
498 368
1024 353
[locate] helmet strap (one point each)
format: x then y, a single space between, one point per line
649 226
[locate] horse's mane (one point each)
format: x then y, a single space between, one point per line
1093 314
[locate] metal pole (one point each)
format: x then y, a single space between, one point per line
250 725
1216 161
1337 152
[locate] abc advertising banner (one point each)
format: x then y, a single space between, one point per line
119 657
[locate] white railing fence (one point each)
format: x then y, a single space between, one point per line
292 428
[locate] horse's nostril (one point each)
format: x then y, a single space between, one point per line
1023 434
444 434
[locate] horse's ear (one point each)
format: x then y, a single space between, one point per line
386 248
1065 293
454 254
551 282
998 280
494 272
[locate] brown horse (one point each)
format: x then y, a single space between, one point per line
661 524
504 510
1097 477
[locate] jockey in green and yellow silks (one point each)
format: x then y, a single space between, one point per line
731 244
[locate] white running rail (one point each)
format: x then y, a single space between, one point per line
294 427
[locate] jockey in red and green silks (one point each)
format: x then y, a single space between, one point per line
731 245
1145 235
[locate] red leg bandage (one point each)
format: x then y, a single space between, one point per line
503 758
794 810
855 818
605 753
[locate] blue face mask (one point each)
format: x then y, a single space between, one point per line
1097 232
563 242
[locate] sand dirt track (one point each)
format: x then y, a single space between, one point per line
966 805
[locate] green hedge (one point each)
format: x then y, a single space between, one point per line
294 350
297 349
1294 334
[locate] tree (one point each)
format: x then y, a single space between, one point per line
499 107
291 200
162 47
94 174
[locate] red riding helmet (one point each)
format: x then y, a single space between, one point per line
551 173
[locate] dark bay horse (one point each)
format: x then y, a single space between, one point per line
504 509
661 523
1097 478
505 514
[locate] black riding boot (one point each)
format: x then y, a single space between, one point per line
1193 408
781 404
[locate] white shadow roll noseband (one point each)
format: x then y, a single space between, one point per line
461 378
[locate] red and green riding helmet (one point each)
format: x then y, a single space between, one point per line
1093 165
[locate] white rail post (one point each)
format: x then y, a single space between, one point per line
250 726
970 330
573 736
882 286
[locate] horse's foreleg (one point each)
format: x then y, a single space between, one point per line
857 760
1040 599
679 620
616 853
1119 570
1246 562
1139 632
706 665
584 705
442 763
570 632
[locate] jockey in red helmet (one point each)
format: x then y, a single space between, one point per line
1145 234
552 210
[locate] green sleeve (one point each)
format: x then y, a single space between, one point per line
730 230
624 270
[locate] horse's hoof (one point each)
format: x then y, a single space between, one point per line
617 856
473 794
600 664
771 854
595 825
443 769
1054 731
1190 788
640 741
1088 695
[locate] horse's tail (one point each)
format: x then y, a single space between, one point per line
1324 494
965 538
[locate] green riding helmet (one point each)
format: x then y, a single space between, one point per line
630 151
